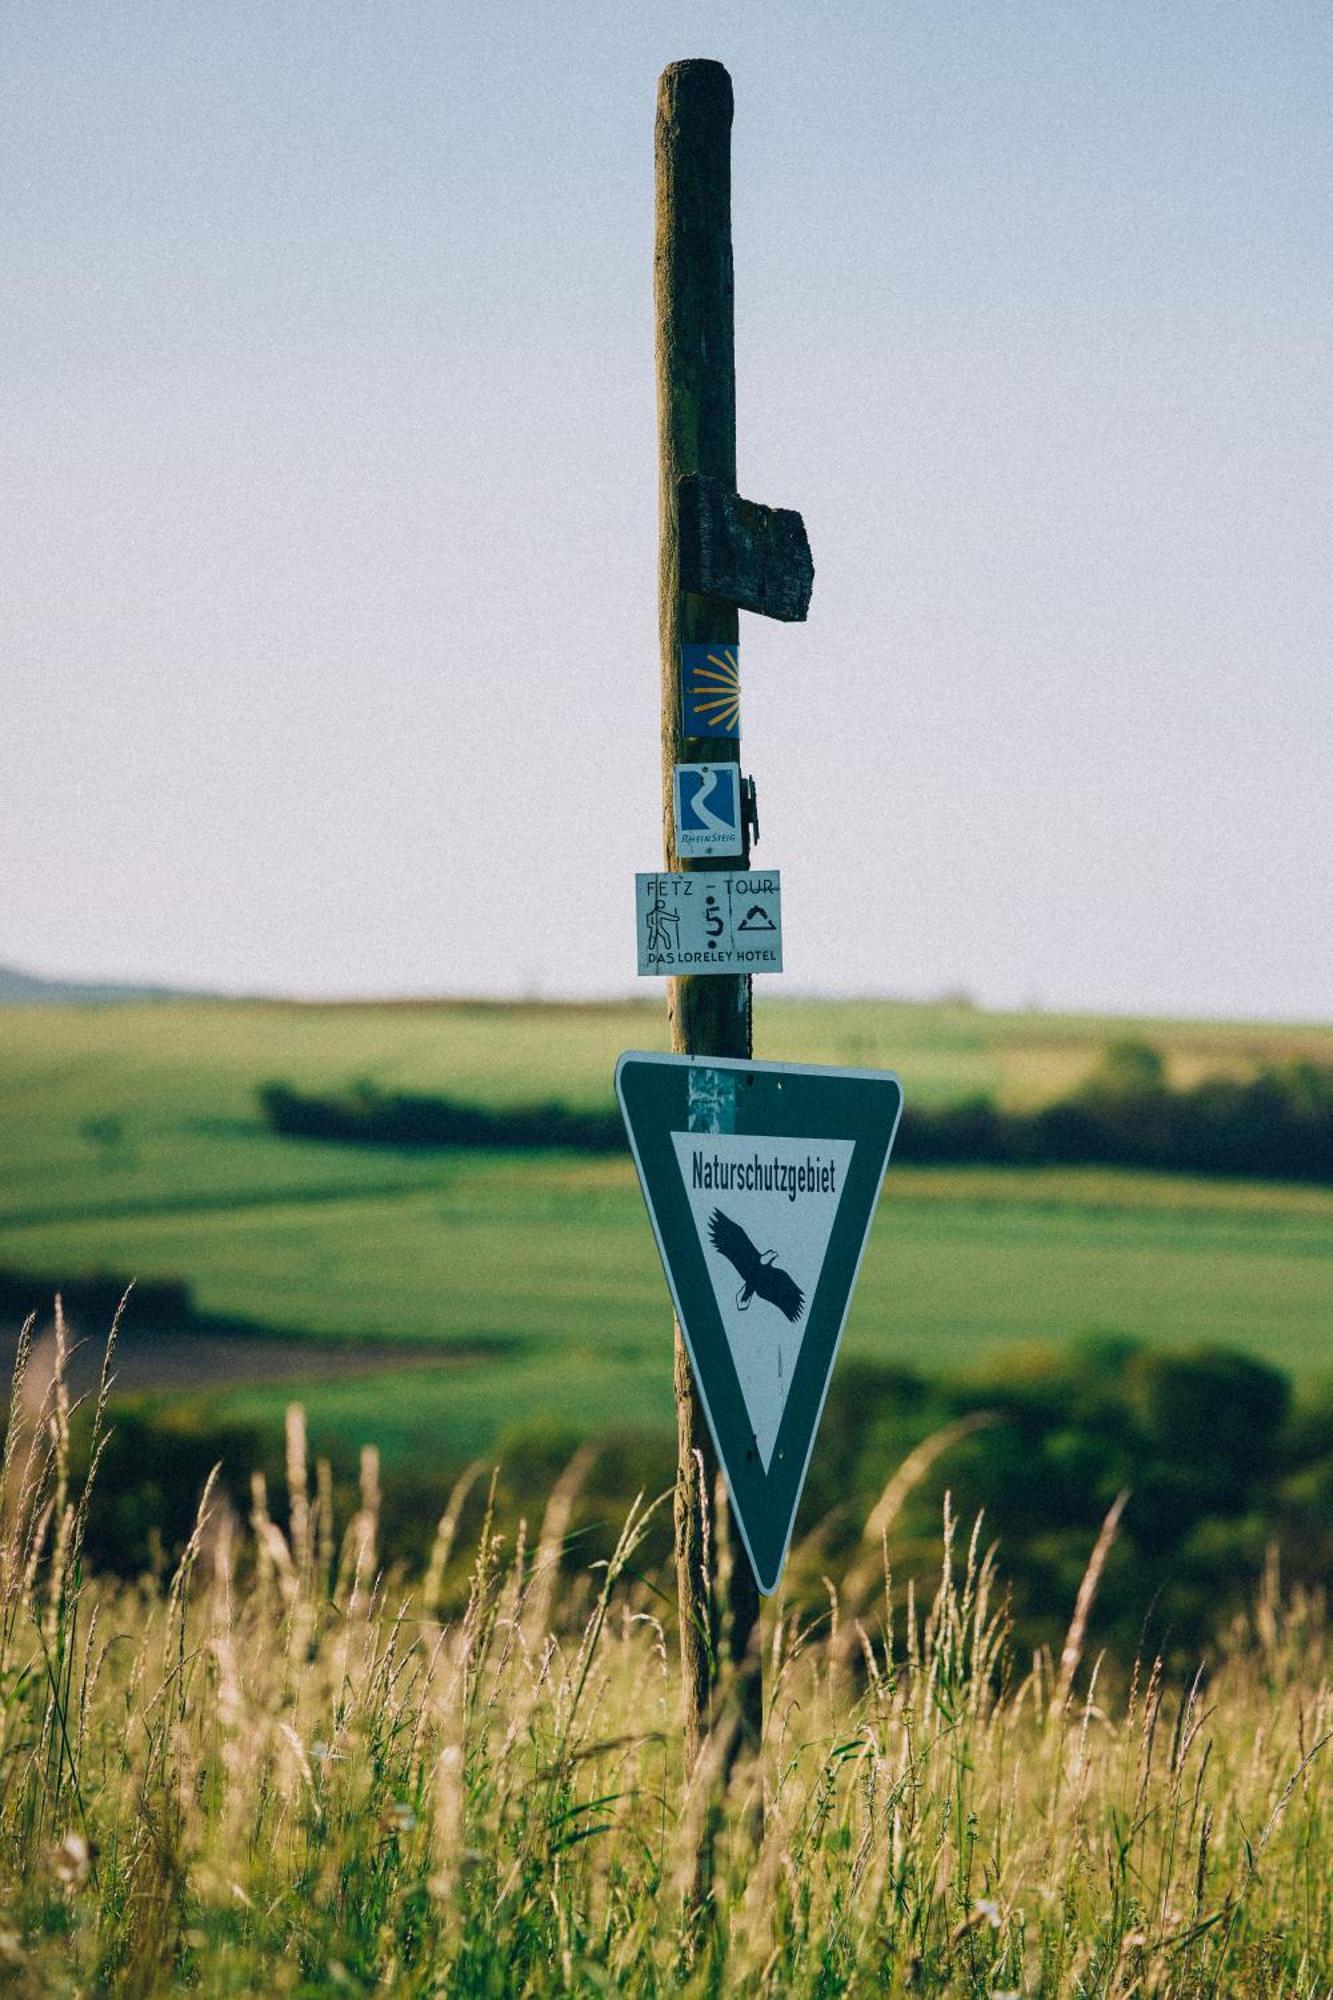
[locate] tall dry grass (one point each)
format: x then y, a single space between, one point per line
281 1772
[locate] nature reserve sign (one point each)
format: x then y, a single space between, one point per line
761 1181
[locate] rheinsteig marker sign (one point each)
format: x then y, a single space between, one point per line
761 1181
707 800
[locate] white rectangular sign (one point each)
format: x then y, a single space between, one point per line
708 809
714 922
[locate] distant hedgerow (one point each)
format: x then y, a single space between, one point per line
1276 1125
368 1116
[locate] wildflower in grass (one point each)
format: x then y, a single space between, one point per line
982 1913
72 1861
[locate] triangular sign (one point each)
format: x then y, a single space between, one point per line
761 1181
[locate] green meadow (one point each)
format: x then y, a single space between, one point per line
131 1142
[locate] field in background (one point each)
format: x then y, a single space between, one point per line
130 1140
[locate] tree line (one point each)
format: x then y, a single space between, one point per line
1275 1125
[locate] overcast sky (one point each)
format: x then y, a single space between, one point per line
329 511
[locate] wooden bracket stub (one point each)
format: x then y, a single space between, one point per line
756 557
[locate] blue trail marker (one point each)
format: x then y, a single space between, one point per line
710 680
708 809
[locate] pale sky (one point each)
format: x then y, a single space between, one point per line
328 506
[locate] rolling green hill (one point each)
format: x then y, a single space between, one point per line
131 1141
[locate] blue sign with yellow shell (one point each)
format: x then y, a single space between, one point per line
710 679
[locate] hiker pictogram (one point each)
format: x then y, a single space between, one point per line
663 927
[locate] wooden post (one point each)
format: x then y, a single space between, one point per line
709 1015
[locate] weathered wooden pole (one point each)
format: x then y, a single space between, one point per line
709 1014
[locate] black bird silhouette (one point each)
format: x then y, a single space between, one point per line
760 1273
